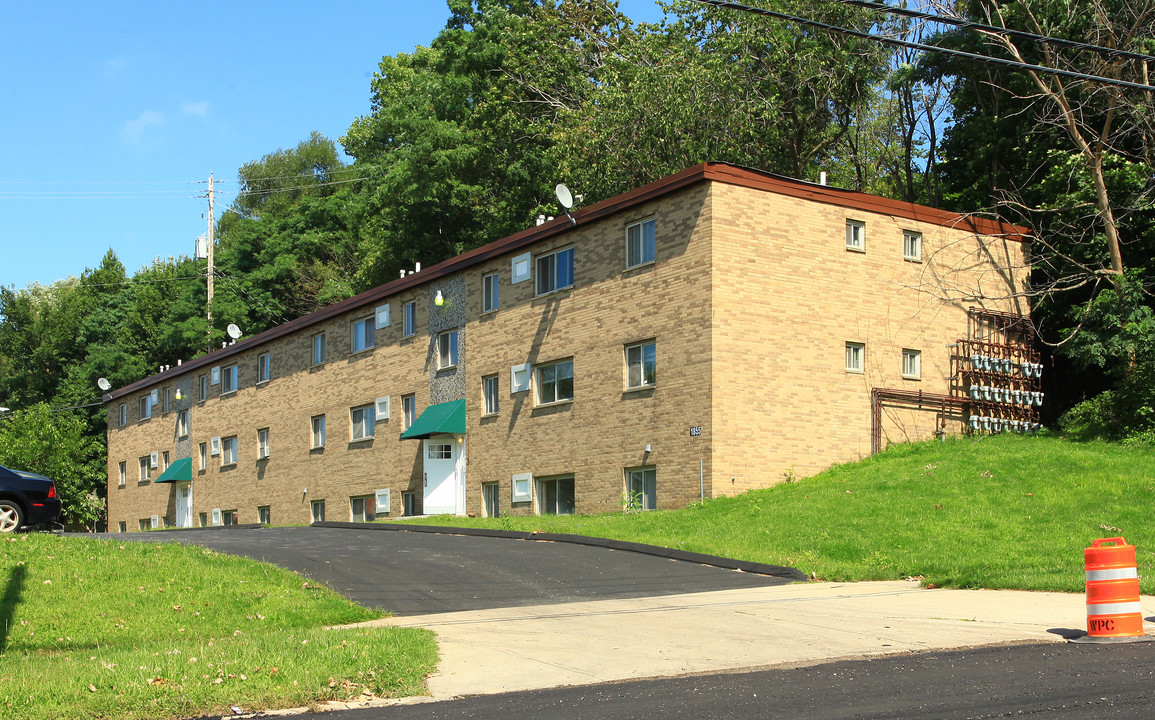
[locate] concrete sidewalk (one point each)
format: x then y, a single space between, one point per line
536 647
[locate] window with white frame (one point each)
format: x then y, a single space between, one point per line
491 499
555 496
554 271
439 451
264 372
364 334
912 245
641 243
145 468
447 350
145 407
642 488
856 235
263 444
360 508
229 450
489 390
641 365
409 321
164 461
363 422
318 426
264 516
166 405
408 411
123 467
318 508
319 350
204 455
204 387
912 364
182 423
229 379
855 357
489 297
123 414
554 382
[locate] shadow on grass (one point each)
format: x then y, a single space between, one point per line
13 592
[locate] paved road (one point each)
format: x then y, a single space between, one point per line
416 573
1056 682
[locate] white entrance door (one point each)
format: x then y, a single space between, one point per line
443 478
184 504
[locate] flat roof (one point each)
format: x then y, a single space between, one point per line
703 172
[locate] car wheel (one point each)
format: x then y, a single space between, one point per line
11 517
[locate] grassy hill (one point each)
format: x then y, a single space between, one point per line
1005 511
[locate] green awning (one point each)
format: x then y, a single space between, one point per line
179 471
440 419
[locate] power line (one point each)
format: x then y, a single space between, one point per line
1009 32
14 413
924 47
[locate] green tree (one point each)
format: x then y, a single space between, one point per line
55 444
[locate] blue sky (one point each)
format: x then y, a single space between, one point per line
115 113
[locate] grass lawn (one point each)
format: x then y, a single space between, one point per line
102 629
1007 511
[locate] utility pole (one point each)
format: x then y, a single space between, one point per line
209 275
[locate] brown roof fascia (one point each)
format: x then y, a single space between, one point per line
717 172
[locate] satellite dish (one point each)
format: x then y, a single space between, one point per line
233 331
564 196
103 384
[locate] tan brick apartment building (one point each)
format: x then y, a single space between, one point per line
714 331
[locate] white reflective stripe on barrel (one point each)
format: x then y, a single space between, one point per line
1112 574
1122 608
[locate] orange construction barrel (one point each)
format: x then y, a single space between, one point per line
1113 608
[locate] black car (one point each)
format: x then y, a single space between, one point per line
26 500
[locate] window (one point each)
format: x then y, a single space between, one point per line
229 450
555 496
447 350
641 489
319 431
145 468
167 406
145 407
912 364
555 271
855 357
409 504
641 243
123 414
555 382
855 235
409 326
264 516
364 335
263 371
204 518
489 390
204 383
164 461
489 293
519 268
318 507
182 423
122 526
912 245
263 444
204 456
382 316
440 451
229 517
229 379
492 499
641 365
408 411
319 349
361 509
123 466
363 422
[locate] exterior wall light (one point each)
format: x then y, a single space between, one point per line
439 300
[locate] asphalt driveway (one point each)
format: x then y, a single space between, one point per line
422 572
